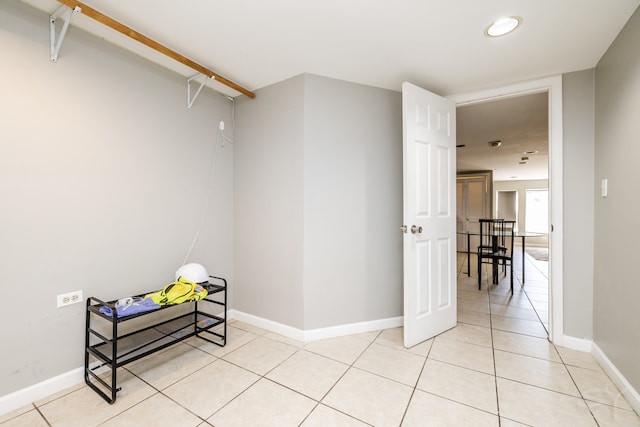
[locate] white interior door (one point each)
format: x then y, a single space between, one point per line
429 214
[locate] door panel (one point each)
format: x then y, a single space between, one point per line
428 208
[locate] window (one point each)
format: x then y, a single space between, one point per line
537 211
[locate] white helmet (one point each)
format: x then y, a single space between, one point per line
193 272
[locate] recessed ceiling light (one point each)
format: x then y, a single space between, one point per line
531 152
460 145
495 144
503 26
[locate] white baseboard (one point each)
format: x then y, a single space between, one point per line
316 334
609 368
353 328
617 378
580 344
269 325
25 396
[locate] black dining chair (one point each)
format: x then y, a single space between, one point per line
496 247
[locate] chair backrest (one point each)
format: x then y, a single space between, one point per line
496 235
489 229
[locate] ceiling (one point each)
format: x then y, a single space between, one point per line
438 45
519 125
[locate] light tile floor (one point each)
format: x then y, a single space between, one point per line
496 368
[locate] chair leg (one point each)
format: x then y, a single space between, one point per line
479 273
511 268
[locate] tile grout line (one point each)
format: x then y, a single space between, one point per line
566 367
529 299
415 387
319 402
524 290
260 376
216 359
493 353
42 415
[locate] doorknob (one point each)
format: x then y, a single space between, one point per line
403 228
415 229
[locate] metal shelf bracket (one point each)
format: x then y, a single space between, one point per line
191 99
57 44
92 13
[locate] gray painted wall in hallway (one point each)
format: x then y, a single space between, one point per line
617 148
578 128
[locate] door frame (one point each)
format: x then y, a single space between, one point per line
552 86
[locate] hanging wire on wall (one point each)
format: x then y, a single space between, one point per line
224 138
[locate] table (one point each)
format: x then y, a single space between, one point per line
520 234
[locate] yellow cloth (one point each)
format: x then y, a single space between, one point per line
178 292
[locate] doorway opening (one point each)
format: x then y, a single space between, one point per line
552 87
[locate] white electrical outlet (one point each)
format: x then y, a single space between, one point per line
69 298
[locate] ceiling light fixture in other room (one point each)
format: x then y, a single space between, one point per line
503 26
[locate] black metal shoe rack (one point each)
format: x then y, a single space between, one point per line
107 348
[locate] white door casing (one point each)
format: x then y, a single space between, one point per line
553 86
429 214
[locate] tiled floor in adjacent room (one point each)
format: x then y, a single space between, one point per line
496 368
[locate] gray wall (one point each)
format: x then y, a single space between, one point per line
578 129
318 191
268 203
104 174
353 203
617 148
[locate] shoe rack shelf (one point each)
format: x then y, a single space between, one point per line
112 342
